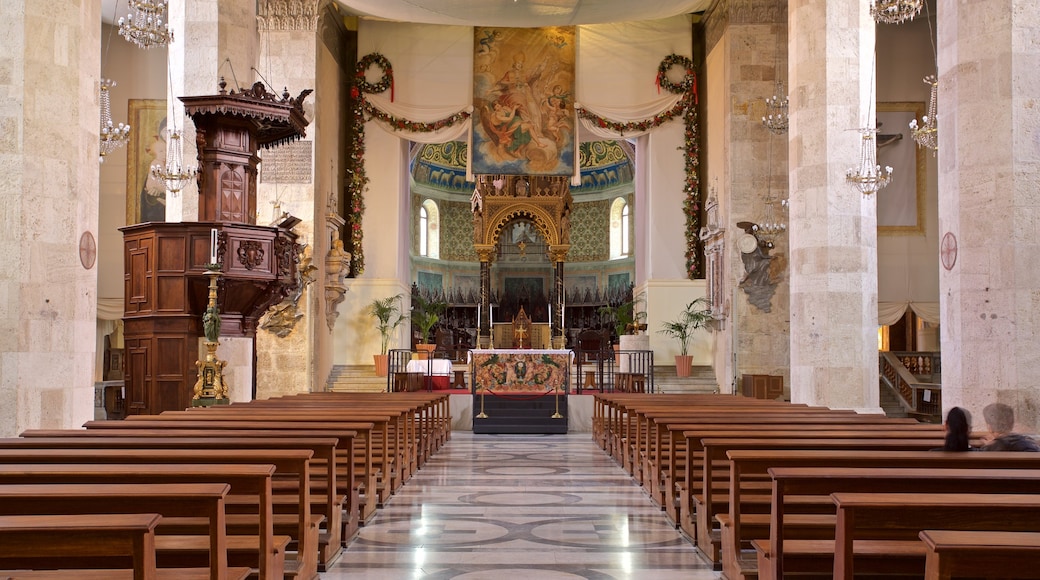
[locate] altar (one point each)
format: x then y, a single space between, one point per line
520 390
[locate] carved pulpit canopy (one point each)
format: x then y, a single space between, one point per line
276 119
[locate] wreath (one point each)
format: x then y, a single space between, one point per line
387 82
688 79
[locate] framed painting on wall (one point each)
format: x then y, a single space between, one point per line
145 194
900 205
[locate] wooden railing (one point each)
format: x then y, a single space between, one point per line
919 395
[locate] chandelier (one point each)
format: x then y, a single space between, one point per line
868 178
145 25
112 136
175 175
773 221
925 133
895 11
777 121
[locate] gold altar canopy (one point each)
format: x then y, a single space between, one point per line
546 202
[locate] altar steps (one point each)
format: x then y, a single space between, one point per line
363 379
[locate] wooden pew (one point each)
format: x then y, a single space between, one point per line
80 541
759 461
243 479
870 526
790 484
963 553
364 460
733 482
165 499
326 499
681 467
383 455
301 525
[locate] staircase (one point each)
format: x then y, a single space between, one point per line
355 379
891 403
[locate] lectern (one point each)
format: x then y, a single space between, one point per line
165 281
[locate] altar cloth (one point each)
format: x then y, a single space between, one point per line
521 370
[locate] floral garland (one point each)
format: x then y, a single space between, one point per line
357 179
387 82
687 107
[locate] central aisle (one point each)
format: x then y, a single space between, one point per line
551 507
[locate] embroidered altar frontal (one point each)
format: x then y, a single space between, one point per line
521 371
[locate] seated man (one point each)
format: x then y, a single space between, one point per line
1000 419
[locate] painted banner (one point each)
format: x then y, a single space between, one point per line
530 371
523 101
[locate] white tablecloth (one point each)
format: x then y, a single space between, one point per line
436 367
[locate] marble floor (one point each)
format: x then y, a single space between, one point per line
546 507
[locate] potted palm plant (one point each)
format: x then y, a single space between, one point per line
426 313
387 312
624 316
694 316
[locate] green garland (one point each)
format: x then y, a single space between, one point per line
357 179
687 107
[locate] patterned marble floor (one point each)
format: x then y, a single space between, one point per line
550 507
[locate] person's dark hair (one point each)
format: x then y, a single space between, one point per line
958 430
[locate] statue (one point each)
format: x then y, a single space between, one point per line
211 323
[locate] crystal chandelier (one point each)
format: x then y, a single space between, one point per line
777 120
895 11
868 178
175 175
925 133
145 25
112 136
773 221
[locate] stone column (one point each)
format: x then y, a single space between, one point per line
290 177
558 255
833 229
49 120
746 163
486 254
212 38
989 212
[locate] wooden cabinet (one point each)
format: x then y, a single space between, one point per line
762 386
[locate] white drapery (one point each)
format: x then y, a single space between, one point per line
889 313
433 71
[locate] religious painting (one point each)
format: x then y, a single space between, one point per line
523 372
145 194
523 101
900 205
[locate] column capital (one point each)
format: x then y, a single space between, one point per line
558 252
486 252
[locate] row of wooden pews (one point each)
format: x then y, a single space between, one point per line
773 490
273 489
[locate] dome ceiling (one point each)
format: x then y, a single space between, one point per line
604 165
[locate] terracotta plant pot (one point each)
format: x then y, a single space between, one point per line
382 364
424 350
683 365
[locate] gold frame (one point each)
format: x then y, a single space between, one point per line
145 116
920 159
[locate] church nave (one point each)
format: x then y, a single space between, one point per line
544 507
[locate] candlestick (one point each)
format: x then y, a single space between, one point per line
213 246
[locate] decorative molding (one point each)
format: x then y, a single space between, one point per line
250 254
287 15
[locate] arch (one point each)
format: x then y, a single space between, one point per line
429 243
545 223
620 228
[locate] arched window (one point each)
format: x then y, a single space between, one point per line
429 230
620 229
